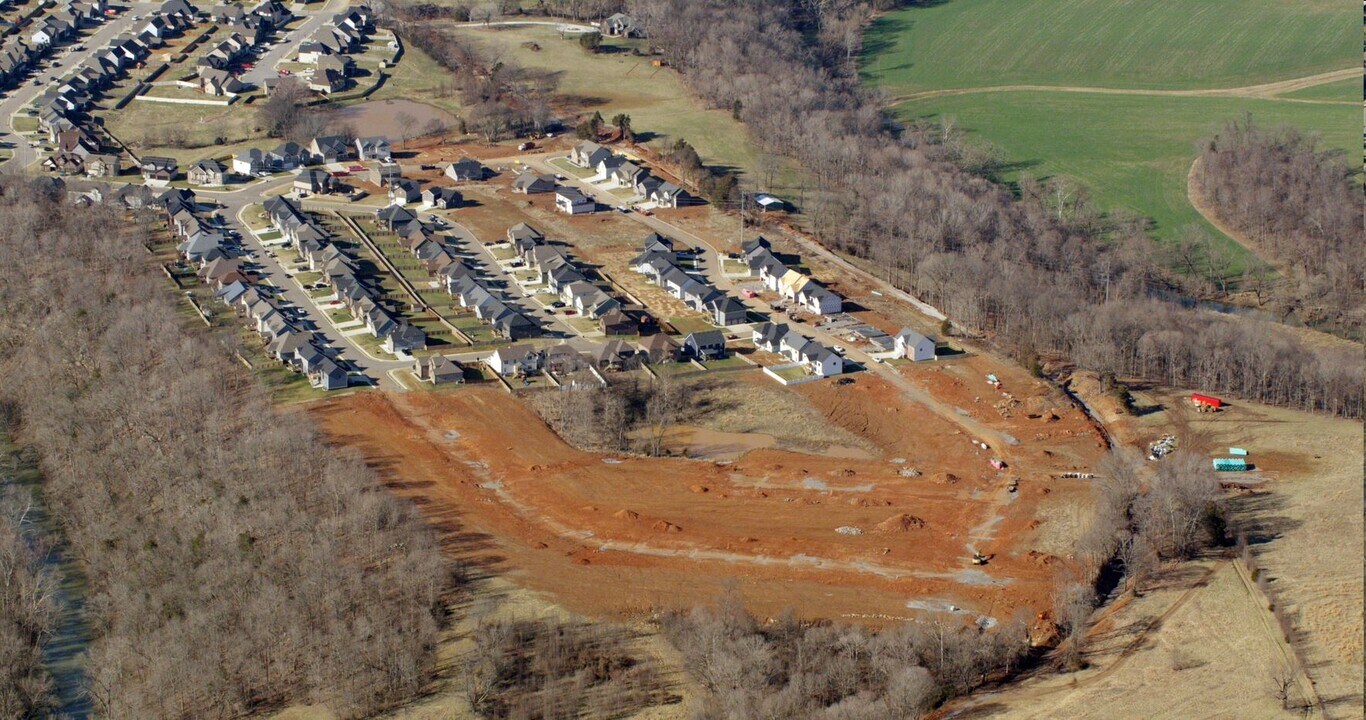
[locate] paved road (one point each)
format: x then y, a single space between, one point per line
483 256
23 94
264 67
234 204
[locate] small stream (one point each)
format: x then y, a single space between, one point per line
65 652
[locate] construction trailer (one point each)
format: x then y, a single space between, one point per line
1206 403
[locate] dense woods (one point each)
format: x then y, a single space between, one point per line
28 606
235 561
1029 272
791 669
1303 206
548 669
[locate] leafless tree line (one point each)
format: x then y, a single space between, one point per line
28 608
550 670
792 669
502 99
235 562
288 114
1142 514
1030 273
626 415
1302 204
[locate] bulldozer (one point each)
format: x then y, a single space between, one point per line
978 558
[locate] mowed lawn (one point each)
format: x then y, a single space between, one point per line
1109 43
1131 151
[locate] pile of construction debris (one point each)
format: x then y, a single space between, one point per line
1162 448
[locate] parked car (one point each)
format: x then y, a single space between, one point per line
557 304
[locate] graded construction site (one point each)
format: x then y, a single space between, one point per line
876 531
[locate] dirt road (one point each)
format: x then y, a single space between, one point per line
1265 91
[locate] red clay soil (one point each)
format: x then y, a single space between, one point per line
615 536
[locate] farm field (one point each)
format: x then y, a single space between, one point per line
1108 43
1131 151
1347 91
1139 85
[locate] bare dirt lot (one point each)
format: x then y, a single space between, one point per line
615 536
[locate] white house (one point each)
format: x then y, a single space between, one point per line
514 360
914 346
573 202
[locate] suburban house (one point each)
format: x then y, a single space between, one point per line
620 25
438 369
393 217
206 172
725 310
626 175
103 165
704 345
817 300
326 81
404 337
219 82
250 162
573 202
404 191
659 348
529 183
385 173
466 169
158 170
327 375
914 346
374 148
313 181
515 360
331 148
617 322
310 51
668 194
524 237
588 154
287 156
440 198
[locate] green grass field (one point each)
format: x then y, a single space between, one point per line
1109 43
1341 91
1132 151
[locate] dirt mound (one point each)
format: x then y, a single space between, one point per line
1039 558
945 478
624 514
899 523
666 526
699 488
